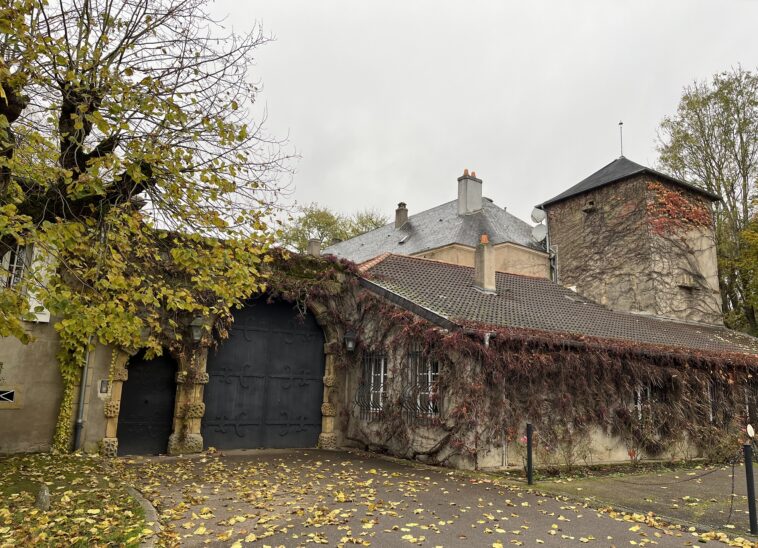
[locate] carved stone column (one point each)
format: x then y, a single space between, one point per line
189 407
118 375
329 439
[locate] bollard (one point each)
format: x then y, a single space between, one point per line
529 468
748 450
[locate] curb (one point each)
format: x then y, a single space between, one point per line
151 515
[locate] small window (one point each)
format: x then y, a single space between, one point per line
13 264
372 392
647 395
7 396
751 401
716 410
421 395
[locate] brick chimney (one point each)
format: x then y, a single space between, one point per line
469 193
484 266
314 247
401 215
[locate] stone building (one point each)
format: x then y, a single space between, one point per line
450 233
502 349
634 239
439 352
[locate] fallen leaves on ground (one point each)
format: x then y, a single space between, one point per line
301 498
88 504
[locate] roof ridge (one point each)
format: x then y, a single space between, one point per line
365 266
438 261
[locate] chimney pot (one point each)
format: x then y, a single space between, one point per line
473 174
465 172
314 247
401 215
484 266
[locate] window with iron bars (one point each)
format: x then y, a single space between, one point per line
421 393
13 263
751 402
648 394
372 391
717 413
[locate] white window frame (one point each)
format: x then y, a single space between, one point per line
638 401
14 263
376 370
425 373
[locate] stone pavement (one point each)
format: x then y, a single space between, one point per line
301 497
699 496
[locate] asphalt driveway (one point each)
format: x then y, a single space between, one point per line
300 497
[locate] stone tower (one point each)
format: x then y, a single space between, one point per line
637 240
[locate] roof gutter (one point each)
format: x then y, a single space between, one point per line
408 305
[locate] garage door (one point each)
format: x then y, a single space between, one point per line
266 387
147 406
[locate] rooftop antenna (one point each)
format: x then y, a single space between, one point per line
621 137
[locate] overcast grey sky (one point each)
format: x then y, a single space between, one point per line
389 101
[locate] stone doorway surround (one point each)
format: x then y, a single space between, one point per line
191 378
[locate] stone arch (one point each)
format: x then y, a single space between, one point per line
192 376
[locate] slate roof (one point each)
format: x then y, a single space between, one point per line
447 291
435 228
618 170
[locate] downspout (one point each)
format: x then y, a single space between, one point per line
79 424
552 258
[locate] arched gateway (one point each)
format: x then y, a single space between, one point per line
265 384
147 406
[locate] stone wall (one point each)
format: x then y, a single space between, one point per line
32 372
617 246
394 433
684 257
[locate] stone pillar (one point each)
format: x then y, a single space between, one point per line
118 375
328 439
189 407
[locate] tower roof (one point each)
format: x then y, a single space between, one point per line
618 170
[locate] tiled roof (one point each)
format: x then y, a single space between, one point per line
437 227
447 290
617 170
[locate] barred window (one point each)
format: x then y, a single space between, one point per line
751 401
13 263
372 392
647 394
421 394
716 411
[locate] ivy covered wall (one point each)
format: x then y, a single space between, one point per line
590 400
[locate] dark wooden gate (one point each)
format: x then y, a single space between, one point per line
147 406
266 384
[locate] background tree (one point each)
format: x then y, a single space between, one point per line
129 156
314 221
712 141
